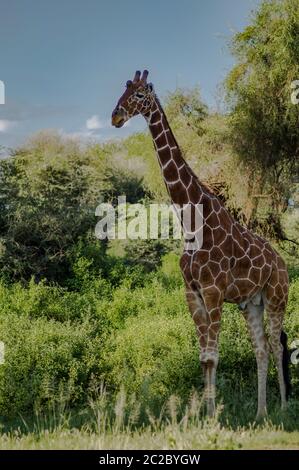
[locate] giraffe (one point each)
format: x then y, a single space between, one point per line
232 265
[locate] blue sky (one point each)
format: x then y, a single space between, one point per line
65 62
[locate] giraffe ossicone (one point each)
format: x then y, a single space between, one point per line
232 264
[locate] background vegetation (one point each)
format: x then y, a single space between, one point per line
97 335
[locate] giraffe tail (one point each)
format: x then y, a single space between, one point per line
285 363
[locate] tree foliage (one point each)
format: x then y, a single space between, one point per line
49 191
264 121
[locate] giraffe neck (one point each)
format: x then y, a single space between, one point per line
181 183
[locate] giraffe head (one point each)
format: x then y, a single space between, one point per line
137 99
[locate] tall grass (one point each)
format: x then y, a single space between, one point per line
115 426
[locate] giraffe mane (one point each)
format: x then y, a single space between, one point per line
204 184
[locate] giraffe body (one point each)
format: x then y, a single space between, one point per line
231 265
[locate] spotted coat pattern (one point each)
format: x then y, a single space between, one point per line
233 264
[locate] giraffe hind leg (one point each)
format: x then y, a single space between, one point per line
286 363
275 298
254 318
278 343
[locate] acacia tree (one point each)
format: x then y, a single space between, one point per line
49 190
263 120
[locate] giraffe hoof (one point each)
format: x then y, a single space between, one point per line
211 410
284 407
261 416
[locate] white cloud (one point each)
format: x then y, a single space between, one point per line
6 125
94 123
90 132
79 135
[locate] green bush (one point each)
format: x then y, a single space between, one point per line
53 302
45 362
59 342
169 273
154 355
152 299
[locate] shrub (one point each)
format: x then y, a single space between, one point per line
45 362
141 338
154 356
52 302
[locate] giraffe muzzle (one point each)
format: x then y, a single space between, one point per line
118 118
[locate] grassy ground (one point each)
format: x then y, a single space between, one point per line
105 426
205 436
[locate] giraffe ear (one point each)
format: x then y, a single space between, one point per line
150 86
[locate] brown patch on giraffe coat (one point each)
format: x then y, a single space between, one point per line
175 152
232 294
185 265
161 141
221 281
254 250
212 220
164 156
225 246
208 242
226 219
170 172
266 271
238 251
202 256
212 297
213 333
243 266
224 263
235 233
179 195
215 317
219 235
206 275
216 205
194 193
185 176
260 260
195 271
156 129
216 254
244 287
285 288
192 218
215 268
281 264
255 274
278 291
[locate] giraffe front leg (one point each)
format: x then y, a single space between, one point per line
207 327
210 357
